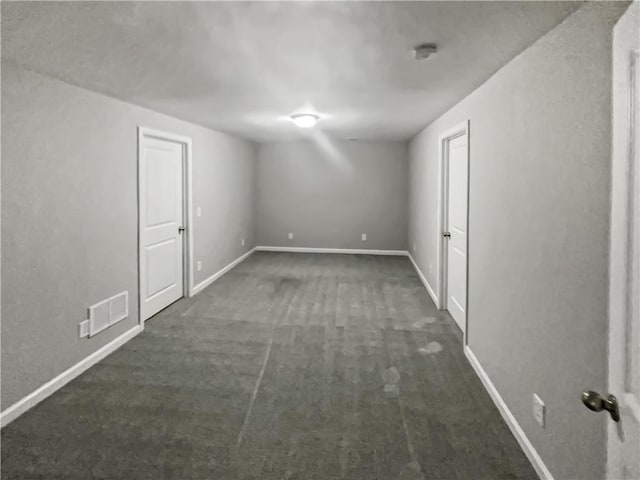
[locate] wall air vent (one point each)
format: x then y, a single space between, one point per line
108 312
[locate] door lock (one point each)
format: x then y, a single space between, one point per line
180 229
446 234
595 402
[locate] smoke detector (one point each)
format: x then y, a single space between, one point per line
424 51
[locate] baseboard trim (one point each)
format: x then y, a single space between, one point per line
424 281
38 395
352 251
529 450
205 283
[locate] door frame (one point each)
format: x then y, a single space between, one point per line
443 209
187 190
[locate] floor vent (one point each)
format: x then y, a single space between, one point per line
108 312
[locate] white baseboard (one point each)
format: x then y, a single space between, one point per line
352 251
529 450
205 283
35 397
430 290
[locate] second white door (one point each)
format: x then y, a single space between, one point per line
456 163
161 224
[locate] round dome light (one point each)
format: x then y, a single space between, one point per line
304 120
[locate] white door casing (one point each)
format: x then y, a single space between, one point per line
163 170
454 146
623 444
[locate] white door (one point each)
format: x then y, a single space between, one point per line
456 162
161 224
623 449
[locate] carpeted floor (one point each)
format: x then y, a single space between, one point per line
291 366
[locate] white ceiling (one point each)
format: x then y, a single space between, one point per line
243 67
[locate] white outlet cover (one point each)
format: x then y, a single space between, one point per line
364 237
242 242
539 410
83 329
199 265
290 236
198 212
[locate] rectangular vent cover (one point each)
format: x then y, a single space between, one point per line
108 312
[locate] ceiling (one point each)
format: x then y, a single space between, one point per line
243 67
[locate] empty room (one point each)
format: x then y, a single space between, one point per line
320 240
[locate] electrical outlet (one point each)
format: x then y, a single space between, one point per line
242 242
290 236
539 410
198 212
83 330
364 237
199 265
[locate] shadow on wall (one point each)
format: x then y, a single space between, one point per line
333 152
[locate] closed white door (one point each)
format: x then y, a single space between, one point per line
456 163
623 449
161 224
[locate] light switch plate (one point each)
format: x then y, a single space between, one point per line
242 242
364 237
198 212
290 236
199 265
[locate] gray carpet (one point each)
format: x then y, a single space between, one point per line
291 366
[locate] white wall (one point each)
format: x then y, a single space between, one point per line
539 207
329 193
69 192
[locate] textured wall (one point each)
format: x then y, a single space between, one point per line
329 193
539 209
69 193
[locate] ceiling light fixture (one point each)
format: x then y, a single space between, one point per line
304 120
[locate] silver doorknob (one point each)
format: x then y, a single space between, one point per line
595 402
446 234
180 229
